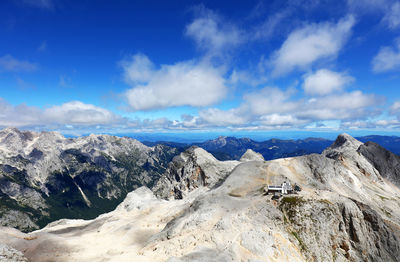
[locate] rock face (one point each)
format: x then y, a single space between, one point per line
9 254
346 211
250 155
190 170
387 163
44 176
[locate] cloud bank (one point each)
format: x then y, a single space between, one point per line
182 84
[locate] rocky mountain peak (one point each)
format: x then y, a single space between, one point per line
220 141
198 154
346 141
343 145
192 169
250 155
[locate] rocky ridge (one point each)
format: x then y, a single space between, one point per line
45 176
190 170
346 211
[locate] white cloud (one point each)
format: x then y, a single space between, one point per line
281 120
11 64
395 108
137 69
311 43
184 83
324 82
275 108
76 112
212 33
269 100
342 106
218 117
247 77
387 59
71 113
392 16
20 115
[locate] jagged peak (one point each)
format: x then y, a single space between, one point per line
251 155
10 130
199 153
346 140
344 143
15 132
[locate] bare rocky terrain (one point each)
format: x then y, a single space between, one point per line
45 176
347 210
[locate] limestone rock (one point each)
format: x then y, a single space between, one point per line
45 176
387 163
250 155
192 169
8 254
346 211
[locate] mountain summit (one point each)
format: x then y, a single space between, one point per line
347 210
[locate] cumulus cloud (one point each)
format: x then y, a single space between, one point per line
275 108
71 113
218 117
348 105
281 120
387 59
324 82
137 69
10 64
269 100
184 83
212 33
311 43
76 112
20 115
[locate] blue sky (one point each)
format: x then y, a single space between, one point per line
198 66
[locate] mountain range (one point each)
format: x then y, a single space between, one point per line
45 176
232 148
204 209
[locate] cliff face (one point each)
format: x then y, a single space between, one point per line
192 169
346 211
387 163
44 176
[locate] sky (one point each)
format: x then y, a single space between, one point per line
183 66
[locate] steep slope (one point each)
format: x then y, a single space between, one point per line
190 170
44 176
391 143
346 211
387 163
250 155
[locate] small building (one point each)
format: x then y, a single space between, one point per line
284 188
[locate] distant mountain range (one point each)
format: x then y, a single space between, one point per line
232 148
